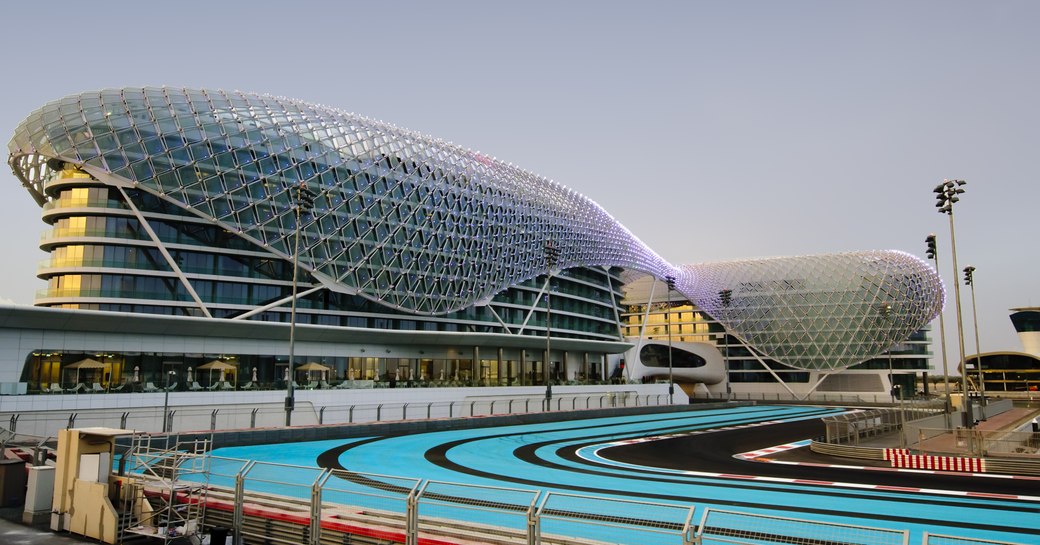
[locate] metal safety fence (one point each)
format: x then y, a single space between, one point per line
936 539
260 415
271 503
732 527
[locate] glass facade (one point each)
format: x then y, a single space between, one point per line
191 202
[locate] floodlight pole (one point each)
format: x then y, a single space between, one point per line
969 279
946 196
552 255
670 280
886 312
725 297
304 202
933 254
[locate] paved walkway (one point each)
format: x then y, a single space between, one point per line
1006 421
13 532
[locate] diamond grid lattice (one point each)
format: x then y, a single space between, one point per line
824 311
422 225
410 221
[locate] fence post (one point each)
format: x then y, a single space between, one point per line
213 419
315 526
240 490
39 457
534 523
411 524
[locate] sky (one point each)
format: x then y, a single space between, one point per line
712 130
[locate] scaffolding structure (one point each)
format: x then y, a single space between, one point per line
165 487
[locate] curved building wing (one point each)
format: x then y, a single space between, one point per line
160 179
821 311
409 221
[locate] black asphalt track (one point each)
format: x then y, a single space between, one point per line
710 452
713 452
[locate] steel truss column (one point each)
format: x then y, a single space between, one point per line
165 253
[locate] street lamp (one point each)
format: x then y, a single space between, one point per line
552 255
969 280
946 195
933 254
670 280
886 313
725 297
304 203
166 400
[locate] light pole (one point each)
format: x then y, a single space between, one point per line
670 280
725 297
552 255
946 195
166 400
304 202
969 280
933 254
886 313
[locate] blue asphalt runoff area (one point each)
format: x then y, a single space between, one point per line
534 456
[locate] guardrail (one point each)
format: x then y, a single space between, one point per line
218 417
263 503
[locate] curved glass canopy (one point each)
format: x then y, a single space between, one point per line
821 311
407 220
425 226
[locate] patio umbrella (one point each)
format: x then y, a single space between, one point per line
313 366
216 365
85 363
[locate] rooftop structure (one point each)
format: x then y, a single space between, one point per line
185 202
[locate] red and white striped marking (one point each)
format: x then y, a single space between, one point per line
765 452
901 457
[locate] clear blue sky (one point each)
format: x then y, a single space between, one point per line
713 130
